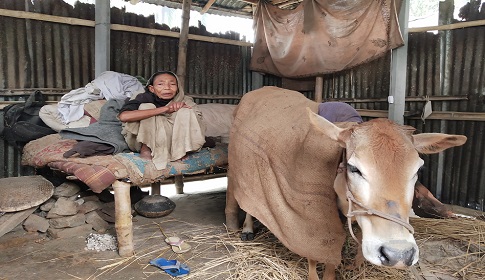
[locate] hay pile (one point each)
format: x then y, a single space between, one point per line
449 249
461 240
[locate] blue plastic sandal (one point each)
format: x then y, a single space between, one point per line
172 267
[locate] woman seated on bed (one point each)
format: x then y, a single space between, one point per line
162 123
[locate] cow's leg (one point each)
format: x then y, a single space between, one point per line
232 208
359 257
329 273
248 228
312 270
427 206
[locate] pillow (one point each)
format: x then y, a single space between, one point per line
218 119
51 117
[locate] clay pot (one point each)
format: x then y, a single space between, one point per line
154 206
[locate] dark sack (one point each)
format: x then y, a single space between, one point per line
22 122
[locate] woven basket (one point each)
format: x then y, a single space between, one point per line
20 193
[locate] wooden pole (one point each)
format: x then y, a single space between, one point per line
399 56
117 27
183 42
319 89
450 26
102 37
207 6
123 222
445 15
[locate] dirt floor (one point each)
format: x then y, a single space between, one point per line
197 218
34 256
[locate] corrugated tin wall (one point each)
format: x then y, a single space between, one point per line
364 82
449 68
58 57
459 54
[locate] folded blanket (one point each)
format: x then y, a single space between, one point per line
106 131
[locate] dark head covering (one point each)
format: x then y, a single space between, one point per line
338 112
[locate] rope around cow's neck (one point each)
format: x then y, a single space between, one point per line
366 210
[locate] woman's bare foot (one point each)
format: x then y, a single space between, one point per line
145 152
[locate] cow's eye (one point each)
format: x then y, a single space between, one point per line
353 169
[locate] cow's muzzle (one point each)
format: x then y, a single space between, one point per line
397 254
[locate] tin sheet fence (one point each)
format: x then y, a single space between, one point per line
447 68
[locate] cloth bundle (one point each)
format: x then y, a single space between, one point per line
321 36
106 131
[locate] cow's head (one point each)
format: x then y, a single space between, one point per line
380 170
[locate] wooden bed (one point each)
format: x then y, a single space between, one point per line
120 172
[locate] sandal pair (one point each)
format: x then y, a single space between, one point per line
179 246
172 267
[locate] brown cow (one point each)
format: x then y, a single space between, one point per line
284 160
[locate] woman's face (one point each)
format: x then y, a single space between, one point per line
164 86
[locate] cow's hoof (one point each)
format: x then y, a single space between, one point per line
247 236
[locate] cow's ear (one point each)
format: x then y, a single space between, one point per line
431 143
332 131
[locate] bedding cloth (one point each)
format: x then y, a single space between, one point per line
99 172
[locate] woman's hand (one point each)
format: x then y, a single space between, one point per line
138 115
175 106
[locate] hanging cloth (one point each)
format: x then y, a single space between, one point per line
323 36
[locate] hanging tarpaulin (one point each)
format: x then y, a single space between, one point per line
323 36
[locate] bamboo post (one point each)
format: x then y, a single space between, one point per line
319 89
183 42
446 64
102 37
123 222
155 187
207 6
397 90
179 184
182 66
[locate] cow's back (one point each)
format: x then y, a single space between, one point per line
281 171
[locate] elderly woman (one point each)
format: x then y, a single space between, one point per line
162 123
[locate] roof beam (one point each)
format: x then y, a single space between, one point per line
207 6
254 2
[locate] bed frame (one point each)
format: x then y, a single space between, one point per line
122 171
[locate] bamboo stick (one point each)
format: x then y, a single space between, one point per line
319 89
183 42
448 26
44 17
436 115
117 27
408 99
123 222
207 6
